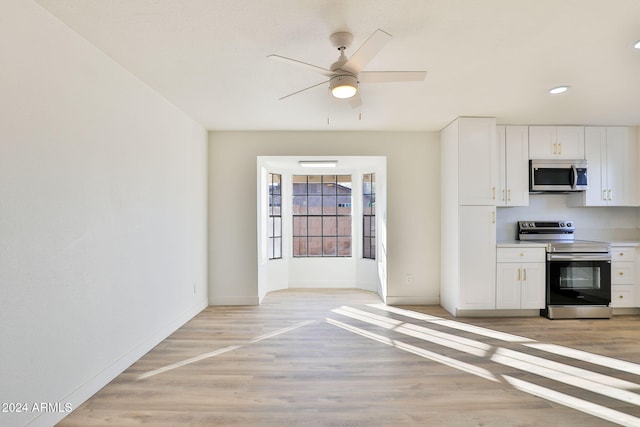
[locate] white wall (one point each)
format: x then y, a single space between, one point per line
102 215
413 206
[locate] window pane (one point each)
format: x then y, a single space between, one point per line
329 246
344 226
299 205
314 226
344 205
299 246
315 205
315 246
277 247
274 202
329 226
299 184
329 184
299 225
277 226
344 184
344 246
315 184
373 247
276 184
270 227
329 205
366 247
270 248
366 226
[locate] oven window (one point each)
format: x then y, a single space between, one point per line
579 277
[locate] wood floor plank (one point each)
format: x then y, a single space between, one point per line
296 360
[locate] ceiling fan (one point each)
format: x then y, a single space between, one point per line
345 75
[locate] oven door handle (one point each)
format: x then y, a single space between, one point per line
575 177
578 257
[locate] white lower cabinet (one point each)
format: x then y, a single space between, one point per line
520 278
477 258
623 277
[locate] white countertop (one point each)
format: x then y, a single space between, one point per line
520 243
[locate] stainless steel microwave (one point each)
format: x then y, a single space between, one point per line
558 175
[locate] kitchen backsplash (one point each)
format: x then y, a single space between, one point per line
592 223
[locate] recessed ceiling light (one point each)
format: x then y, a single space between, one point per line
636 45
558 89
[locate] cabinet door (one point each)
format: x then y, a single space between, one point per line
617 172
517 165
477 158
533 285
595 145
542 142
502 166
477 231
508 285
556 142
570 142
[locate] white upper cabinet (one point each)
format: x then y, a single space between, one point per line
611 159
556 142
477 158
513 165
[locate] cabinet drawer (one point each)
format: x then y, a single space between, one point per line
622 296
623 273
623 254
521 255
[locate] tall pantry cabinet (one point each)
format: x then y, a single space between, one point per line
468 217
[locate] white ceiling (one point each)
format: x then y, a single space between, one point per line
484 58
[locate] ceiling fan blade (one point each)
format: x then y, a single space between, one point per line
310 67
302 90
391 76
367 51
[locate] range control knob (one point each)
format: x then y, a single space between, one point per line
562 225
569 224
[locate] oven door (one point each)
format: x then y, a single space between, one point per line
578 279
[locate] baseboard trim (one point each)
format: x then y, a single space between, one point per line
397 300
104 377
220 301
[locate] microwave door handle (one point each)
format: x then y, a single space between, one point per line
575 176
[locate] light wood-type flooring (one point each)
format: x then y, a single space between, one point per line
342 358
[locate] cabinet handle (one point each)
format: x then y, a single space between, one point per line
524 270
509 195
493 217
493 193
503 198
559 148
555 151
519 275
610 194
621 273
621 253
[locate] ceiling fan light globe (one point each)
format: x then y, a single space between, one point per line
344 86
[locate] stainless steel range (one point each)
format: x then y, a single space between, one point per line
578 271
